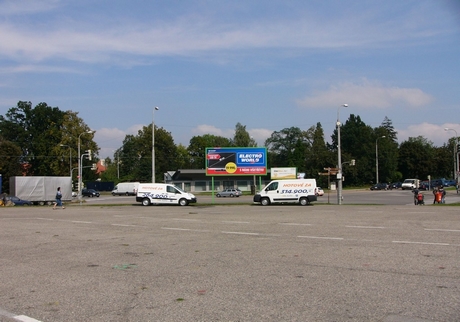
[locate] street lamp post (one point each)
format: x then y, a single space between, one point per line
70 158
339 158
153 143
377 159
80 163
455 154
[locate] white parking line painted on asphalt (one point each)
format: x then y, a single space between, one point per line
186 229
182 219
81 222
235 222
366 227
446 230
22 318
419 243
319 237
122 225
240 233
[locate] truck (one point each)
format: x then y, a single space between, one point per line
301 191
40 190
163 193
410 184
125 189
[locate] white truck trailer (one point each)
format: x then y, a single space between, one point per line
41 190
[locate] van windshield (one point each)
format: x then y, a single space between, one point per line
178 188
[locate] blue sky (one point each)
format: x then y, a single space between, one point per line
208 64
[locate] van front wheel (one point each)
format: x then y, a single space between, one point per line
183 202
146 202
264 202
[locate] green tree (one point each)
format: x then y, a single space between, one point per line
357 142
417 158
242 137
40 132
10 165
288 148
319 156
387 151
198 145
136 155
183 157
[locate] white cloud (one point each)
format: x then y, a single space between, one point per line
22 7
366 95
432 132
105 39
110 139
260 135
211 129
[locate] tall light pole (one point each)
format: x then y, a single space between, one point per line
339 161
79 163
455 154
377 159
70 157
156 108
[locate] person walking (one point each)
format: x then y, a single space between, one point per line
58 201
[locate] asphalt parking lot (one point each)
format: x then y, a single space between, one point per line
230 263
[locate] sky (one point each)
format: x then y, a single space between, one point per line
209 64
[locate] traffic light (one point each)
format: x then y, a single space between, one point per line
89 155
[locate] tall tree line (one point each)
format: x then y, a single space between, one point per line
43 140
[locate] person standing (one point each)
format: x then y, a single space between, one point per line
58 199
443 194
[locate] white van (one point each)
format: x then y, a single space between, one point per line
163 193
125 189
301 191
410 184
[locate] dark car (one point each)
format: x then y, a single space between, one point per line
90 193
424 185
18 201
380 186
395 185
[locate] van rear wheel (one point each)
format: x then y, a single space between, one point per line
146 202
304 201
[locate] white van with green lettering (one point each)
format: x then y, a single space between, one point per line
301 191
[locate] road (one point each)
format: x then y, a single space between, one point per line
390 263
350 197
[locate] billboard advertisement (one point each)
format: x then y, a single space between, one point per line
236 161
283 173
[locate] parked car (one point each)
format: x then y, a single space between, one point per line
90 193
17 201
380 186
319 191
424 185
229 193
395 185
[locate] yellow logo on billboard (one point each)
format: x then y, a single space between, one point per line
230 167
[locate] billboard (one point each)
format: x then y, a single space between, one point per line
283 173
236 161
